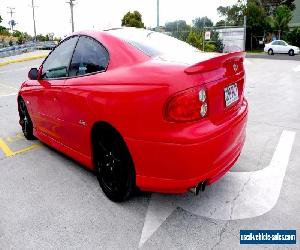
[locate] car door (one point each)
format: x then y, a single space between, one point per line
54 71
89 63
284 47
275 47
279 47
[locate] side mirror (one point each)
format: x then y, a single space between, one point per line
33 74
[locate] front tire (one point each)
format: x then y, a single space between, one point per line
25 120
291 53
114 167
270 52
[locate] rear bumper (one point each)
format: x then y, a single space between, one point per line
174 167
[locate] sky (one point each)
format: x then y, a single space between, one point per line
53 16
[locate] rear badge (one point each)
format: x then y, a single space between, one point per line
235 67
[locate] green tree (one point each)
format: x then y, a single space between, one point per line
233 15
179 29
195 39
215 39
220 23
20 36
256 20
133 19
41 38
271 5
201 22
176 26
281 19
293 37
3 31
17 33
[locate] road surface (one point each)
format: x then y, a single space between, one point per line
49 201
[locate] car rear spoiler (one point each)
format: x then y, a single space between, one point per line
215 62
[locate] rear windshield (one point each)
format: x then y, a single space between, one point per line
153 43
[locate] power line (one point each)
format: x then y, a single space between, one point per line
71 2
33 17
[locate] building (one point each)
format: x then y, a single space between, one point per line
296 18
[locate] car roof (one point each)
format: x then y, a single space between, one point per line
129 32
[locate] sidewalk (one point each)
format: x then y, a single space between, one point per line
24 57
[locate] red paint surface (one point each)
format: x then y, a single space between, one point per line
131 96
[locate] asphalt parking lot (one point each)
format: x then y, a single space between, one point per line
49 201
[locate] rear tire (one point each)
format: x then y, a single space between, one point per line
291 52
114 167
270 52
25 120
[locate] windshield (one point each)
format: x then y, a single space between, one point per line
153 43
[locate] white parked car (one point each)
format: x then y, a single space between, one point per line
281 47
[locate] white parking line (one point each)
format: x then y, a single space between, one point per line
9 87
238 195
6 90
5 95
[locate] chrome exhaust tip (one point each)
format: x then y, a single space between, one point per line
200 187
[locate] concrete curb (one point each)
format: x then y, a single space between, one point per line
23 59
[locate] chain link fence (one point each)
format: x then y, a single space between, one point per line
232 38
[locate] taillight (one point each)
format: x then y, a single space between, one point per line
186 106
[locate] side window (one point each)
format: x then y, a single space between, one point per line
57 63
89 56
275 43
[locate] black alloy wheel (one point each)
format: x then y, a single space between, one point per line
25 120
114 167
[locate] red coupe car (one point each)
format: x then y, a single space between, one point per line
140 108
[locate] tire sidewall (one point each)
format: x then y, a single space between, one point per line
126 162
270 52
28 133
291 52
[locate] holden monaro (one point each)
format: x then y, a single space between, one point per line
139 108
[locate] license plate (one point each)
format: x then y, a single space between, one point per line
231 94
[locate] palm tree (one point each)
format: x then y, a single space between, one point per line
281 19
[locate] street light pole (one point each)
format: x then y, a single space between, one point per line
157 14
71 2
245 32
33 17
204 35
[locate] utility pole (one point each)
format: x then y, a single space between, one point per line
245 32
71 2
157 15
33 17
204 35
11 12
